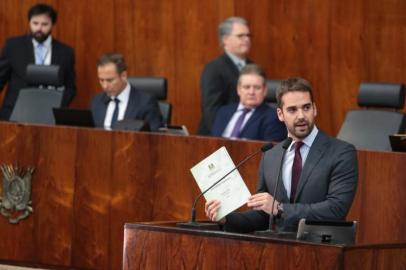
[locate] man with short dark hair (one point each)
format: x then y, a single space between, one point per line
119 100
39 47
319 173
250 118
219 78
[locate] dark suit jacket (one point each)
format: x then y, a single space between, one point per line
17 53
325 191
262 125
140 106
218 85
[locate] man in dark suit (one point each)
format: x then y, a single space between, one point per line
37 48
219 78
250 118
119 100
319 173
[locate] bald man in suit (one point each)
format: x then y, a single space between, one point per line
319 173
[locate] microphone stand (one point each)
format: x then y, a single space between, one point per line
272 218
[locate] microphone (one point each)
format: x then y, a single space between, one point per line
214 226
285 146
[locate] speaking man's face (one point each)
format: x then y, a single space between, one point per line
298 112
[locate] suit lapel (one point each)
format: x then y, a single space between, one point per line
132 106
54 53
276 162
28 51
232 67
316 152
254 117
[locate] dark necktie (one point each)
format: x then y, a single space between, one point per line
296 170
115 113
237 127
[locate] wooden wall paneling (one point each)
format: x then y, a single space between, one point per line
176 250
94 23
94 161
346 58
133 186
384 179
375 258
55 183
17 145
357 205
196 34
290 40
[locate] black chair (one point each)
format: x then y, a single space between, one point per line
157 87
272 86
34 104
370 128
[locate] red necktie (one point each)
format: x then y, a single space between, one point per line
296 170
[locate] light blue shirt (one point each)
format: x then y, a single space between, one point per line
45 59
290 155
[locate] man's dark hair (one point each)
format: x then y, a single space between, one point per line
292 85
253 69
41 9
114 58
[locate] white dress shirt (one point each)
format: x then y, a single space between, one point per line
124 96
290 155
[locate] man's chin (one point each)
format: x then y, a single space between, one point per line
40 37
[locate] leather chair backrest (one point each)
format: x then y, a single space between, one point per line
157 87
272 86
386 95
46 75
370 128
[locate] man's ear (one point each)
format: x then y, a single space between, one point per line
280 114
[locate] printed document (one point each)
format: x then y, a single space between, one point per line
231 191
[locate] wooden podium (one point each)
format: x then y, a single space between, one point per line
164 246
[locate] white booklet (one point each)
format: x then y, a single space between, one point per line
231 191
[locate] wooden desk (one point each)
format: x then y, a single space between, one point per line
89 182
163 246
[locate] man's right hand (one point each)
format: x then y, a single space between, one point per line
211 207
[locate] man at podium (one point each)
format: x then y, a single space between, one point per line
318 174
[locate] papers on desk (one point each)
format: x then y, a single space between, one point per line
231 191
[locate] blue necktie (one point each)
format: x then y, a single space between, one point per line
238 125
115 113
40 54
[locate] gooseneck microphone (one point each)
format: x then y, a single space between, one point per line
270 231
213 226
285 146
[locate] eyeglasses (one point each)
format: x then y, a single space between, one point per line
240 36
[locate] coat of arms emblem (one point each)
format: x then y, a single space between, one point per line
15 201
